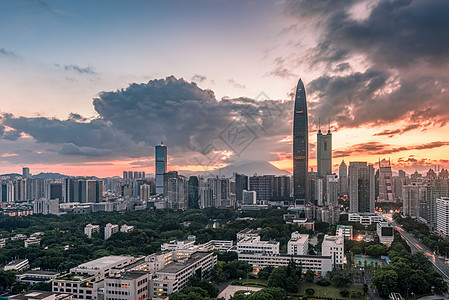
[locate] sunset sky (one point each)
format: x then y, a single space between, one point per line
90 87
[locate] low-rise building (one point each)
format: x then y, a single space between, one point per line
36 276
255 245
247 233
175 276
41 295
127 285
334 246
298 244
179 245
385 232
125 228
32 241
346 231
365 218
320 265
18 265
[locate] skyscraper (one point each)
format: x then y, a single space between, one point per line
300 147
324 153
161 167
343 178
361 187
26 172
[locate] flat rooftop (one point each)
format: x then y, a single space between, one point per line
103 262
40 295
129 275
178 266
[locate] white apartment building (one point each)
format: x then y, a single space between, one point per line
89 229
18 265
443 215
255 245
298 244
125 228
334 246
345 230
320 265
110 230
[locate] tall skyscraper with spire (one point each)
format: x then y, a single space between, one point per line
300 147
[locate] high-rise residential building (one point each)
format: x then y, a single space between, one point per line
130 175
249 197
206 196
300 148
324 153
332 190
194 193
221 191
7 191
125 175
109 230
177 193
263 186
361 187
55 191
343 178
436 188
282 188
386 193
241 184
46 206
443 215
319 191
145 192
90 229
412 196
165 178
26 172
161 167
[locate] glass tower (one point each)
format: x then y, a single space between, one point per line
161 167
300 148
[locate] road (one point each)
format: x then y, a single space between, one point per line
439 263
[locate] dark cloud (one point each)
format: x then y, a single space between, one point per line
80 70
72 149
376 148
199 78
132 120
399 131
404 45
11 135
5 52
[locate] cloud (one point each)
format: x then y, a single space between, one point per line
236 84
398 53
131 121
376 148
72 149
80 70
5 52
399 131
199 78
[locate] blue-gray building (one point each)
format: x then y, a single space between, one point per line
161 167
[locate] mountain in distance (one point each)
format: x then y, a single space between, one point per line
247 168
54 176
11 175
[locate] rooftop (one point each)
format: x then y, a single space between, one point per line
40 295
178 266
103 262
129 275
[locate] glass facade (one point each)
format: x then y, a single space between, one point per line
300 147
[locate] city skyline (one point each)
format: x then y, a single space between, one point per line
89 95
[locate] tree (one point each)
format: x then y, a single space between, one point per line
310 292
286 278
265 272
385 280
309 276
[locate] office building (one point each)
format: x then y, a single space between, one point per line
334 246
364 218
263 186
109 230
300 148
161 167
324 154
282 188
127 285
18 265
361 188
194 192
46 206
298 244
